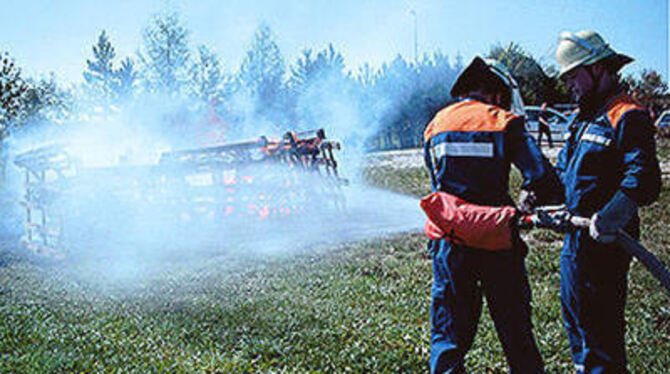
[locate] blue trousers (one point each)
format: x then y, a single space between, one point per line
593 298
461 276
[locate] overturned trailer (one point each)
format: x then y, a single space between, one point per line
203 190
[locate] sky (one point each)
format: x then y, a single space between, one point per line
57 35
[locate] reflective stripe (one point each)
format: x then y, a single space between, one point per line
598 139
463 150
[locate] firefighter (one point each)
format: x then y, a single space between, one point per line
468 149
609 168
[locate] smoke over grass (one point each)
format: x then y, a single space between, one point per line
107 184
123 213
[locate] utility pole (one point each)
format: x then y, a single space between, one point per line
416 43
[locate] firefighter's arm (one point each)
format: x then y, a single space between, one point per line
561 162
641 175
641 181
539 179
428 161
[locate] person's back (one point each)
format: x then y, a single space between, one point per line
469 147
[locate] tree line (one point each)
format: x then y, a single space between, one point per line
395 100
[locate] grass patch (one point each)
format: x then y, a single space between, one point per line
361 307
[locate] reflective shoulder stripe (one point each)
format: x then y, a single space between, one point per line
619 106
598 139
455 149
469 116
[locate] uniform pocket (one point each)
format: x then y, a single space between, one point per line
596 151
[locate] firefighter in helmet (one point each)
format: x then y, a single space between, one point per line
468 148
609 168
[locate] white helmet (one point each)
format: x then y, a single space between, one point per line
585 48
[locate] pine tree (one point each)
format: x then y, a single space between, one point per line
165 54
459 65
326 64
366 76
649 89
125 78
104 84
262 72
317 83
206 78
46 101
12 93
100 77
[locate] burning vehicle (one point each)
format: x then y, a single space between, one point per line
226 189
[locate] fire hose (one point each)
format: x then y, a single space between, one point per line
491 228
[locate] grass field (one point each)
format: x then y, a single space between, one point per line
359 307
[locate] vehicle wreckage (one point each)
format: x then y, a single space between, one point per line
219 186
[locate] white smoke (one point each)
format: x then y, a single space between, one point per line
123 212
122 217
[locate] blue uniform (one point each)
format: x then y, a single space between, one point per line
612 150
469 147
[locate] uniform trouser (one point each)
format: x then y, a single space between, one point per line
593 297
461 276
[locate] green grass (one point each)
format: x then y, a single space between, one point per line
360 307
663 148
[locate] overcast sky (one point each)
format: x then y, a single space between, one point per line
57 35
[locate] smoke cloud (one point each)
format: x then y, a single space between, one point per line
124 212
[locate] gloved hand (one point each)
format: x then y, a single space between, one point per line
527 201
613 217
557 220
599 232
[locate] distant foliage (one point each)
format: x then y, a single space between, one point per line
412 93
317 85
262 70
537 85
650 89
556 91
385 107
165 55
12 93
533 82
27 100
262 75
206 79
308 68
126 78
99 75
47 102
104 84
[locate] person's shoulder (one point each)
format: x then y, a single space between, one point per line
433 126
470 116
504 119
477 113
622 106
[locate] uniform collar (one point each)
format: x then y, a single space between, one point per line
599 107
475 97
